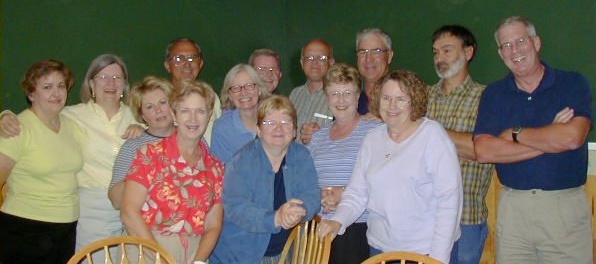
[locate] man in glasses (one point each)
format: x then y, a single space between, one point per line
453 102
533 125
374 55
266 62
309 99
184 61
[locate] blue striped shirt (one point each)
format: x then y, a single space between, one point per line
334 159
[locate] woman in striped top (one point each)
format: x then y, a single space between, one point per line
334 149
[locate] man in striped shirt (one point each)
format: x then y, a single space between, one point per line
309 99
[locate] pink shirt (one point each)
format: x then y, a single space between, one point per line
179 196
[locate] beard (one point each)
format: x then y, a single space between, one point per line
451 70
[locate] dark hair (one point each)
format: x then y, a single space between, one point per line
459 32
43 68
182 39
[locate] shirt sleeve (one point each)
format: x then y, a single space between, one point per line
140 170
443 166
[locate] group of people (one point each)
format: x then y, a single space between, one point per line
388 162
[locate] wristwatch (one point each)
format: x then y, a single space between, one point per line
199 262
514 132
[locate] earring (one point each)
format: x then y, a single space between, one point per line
121 95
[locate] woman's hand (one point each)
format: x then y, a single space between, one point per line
328 227
133 131
290 214
9 125
330 198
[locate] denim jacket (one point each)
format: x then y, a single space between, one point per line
248 200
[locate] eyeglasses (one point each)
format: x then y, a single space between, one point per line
374 52
520 43
247 87
180 59
338 94
106 78
399 100
267 69
312 58
273 123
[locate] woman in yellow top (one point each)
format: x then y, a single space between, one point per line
105 118
39 217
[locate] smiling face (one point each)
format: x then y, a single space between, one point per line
50 94
268 68
373 66
394 104
342 99
245 98
155 110
279 130
518 50
184 69
192 115
107 86
322 59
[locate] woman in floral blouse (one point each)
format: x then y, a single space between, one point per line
172 193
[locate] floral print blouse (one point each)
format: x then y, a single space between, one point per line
178 196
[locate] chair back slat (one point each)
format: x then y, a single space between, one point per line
305 245
148 251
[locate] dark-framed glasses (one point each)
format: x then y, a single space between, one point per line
312 58
285 124
247 87
519 42
374 52
267 69
180 58
106 78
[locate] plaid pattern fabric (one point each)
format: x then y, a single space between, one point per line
457 112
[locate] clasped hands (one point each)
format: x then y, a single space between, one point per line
290 214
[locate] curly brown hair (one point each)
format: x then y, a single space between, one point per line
411 84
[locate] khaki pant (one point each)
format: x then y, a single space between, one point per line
538 226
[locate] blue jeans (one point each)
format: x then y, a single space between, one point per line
471 243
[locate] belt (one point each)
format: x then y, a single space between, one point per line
543 192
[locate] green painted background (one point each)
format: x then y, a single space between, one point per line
76 31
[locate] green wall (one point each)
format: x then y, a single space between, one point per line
77 31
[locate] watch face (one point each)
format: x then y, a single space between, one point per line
516 130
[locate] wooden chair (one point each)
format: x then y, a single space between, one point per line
304 245
402 256
148 251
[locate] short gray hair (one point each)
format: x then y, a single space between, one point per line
371 31
226 103
516 19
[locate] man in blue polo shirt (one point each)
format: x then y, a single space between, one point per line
533 124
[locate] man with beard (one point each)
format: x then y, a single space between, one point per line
453 102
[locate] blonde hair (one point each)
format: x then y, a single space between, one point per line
277 102
149 83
